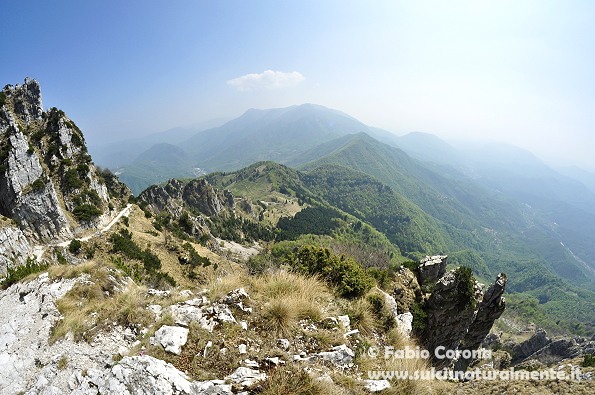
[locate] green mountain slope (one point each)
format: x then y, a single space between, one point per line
156 165
418 207
273 190
277 134
469 214
347 197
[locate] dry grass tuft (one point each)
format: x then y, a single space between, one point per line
362 317
293 380
96 303
282 283
288 298
128 308
71 271
280 316
219 286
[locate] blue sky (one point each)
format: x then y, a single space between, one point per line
514 71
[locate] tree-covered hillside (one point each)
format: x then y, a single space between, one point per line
349 205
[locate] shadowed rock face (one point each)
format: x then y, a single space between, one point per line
539 347
459 314
450 314
25 194
27 100
490 309
200 195
432 268
197 194
530 346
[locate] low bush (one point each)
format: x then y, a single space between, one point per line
86 212
38 185
75 247
72 179
122 242
465 287
350 278
15 274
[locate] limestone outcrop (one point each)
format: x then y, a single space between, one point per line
490 309
197 194
450 312
457 313
48 184
539 347
14 248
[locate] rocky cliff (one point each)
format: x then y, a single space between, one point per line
452 309
197 195
14 246
49 186
206 213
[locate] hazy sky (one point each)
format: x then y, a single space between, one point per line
515 71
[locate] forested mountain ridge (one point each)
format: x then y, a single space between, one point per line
415 233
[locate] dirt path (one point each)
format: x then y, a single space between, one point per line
39 250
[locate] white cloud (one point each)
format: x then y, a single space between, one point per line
268 79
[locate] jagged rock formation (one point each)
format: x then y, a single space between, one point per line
197 194
540 347
459 313
450 313
406 290
490 309
207 213
48 183
196 200
432 268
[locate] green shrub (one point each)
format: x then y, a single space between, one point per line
159 280
151 262
60 257
411 265
260 264
90 251
16 274
82 169
195 258
350 279
589 361
465 287
382 276
382 312
75 246
88 196
86 212
419 318
122 242
72 179
38 184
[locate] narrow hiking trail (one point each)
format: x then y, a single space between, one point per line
39 250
